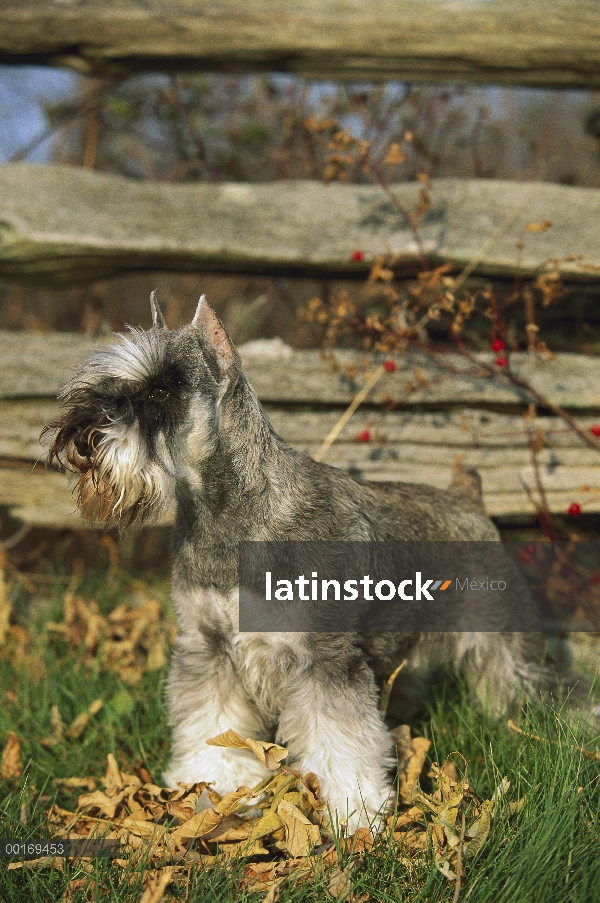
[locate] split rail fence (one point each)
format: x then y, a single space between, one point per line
62 225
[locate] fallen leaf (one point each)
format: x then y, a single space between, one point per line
272 894
202 823
105 804
156 886
362 840
10 769
313 791
340 884
53 862
443 866
185 808
409 777
88 783
270 754
265 825
233 801
58 727
78 726
478 831
112 779
300 833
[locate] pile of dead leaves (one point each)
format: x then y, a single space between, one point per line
279 826
131 640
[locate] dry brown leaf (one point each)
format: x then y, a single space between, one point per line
149 830
112 779
479 830
105 804
53 862
156 886
10 769
395 155
232 829
270 754
300 833
58 727
340 884
202 823
88 783
409 777
78 726
313 791
272 894
538 227
233 801
185 808
362 840
265 825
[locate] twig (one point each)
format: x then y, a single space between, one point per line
544 515
357 400
588 753
542 400
408 217
386 689
502 228
193 134
459 861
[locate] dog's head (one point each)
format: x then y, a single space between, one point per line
137 410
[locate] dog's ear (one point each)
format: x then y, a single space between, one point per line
214 336
158 321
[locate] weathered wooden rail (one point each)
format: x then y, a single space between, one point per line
541 42
446 417
61 224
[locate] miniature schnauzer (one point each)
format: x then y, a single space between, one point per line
167 414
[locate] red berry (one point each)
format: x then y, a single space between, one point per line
525 556
365 436
497 345
501 361
389 366
574 509
595 429
595 578
357 256
530 548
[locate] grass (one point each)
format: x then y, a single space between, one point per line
548 852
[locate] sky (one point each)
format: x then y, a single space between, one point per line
23 92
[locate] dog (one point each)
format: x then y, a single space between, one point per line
167 414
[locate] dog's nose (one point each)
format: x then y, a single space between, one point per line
84 442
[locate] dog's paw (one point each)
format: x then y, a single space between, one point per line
226 769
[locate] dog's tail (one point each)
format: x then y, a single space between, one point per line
466 484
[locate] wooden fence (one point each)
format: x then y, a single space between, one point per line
61 225
541 42
448 416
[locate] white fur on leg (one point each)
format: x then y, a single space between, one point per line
339 735
203 705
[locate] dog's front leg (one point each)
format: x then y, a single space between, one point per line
205 698
331 726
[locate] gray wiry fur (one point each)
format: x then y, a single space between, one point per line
169 412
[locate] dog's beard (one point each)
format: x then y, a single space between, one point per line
120 483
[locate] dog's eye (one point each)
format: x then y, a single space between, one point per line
158 393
